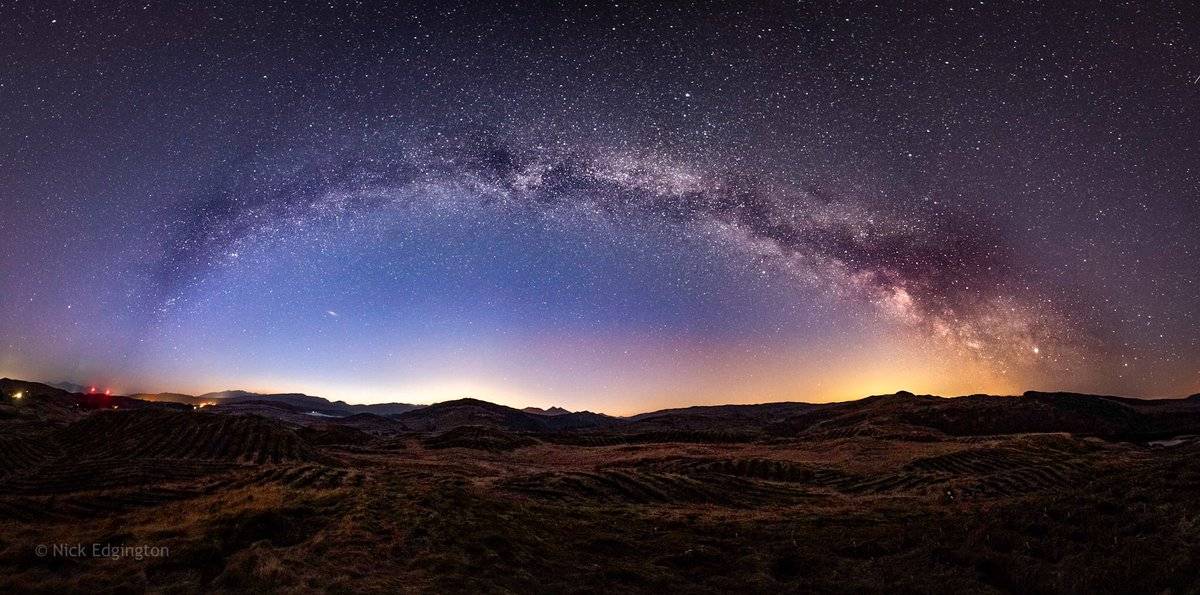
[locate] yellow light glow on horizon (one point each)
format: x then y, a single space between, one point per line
416 392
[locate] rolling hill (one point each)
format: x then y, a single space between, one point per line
1043 492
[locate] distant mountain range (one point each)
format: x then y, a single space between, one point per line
901 415
311 405
550 411
474 412
70 387
318 405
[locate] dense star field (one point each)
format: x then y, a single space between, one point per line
617 207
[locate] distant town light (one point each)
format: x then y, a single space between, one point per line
18 395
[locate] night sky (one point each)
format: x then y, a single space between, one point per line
617 207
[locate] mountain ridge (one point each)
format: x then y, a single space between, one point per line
897 414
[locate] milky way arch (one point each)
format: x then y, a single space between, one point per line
919 263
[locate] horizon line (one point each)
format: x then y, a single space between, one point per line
682 407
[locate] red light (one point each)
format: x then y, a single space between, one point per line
91 389
107 392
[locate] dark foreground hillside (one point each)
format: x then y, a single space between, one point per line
899 493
